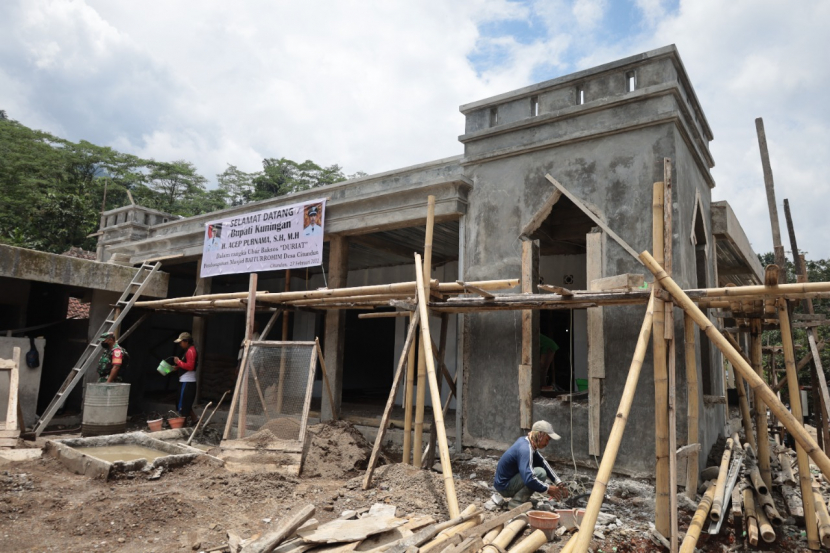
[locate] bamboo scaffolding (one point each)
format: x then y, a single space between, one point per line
755 382
795 404
609 457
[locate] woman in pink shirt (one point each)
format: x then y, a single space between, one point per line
187 379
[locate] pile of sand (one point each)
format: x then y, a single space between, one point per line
284 428
337 449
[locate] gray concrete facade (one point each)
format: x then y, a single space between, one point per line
605 141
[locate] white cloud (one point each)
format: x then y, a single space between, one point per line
375 86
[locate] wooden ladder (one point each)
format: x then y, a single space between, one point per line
93 349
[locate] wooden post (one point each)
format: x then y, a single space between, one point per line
408 393
668 325
662 518
325 371
589 521
596 342
755 357
755 382
249 331
199 326
425 348
442 348
438 416
336 325
692 406
804 477
530 336
281 380
384 420
769 184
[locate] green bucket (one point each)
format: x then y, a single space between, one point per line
165 368
581 384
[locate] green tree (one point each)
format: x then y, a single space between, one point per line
238 185
284 176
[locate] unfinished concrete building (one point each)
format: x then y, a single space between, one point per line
603 133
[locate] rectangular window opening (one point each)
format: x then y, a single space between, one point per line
494 117
534 106
629 81
580 96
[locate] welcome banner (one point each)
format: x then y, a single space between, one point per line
285 237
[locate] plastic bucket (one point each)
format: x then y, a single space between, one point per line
164 368
105 409
570 518
581 384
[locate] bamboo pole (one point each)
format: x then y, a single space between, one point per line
662 520
692 405
531 543
408 397
424 347
491 535
612 447
281 381
183 299
823 519
249 331
435 394
755 382
746 419
693 533
720 486
442 539
795 404
765 528
758 482
761 428
571 545
506 536
750 516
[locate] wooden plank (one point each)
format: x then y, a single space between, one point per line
542 214
596 343
578 203
241 428
390 403
769 185
555 289
688 450
325 372
229 423
617 282
276 444
14 383
530 253
309 391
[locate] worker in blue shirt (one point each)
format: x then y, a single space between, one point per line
522 470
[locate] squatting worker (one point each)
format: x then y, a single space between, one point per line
187 380
113 359
522 470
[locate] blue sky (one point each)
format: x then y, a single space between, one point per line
375 86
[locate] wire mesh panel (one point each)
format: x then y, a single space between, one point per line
275 390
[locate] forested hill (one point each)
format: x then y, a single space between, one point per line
52 189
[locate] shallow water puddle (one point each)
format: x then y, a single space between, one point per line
123 452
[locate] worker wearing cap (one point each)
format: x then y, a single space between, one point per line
522 470
187 379
313 228
112 360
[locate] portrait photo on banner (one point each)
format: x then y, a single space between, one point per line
313 219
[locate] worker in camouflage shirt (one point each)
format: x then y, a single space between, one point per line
113 359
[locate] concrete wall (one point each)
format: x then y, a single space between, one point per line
29 380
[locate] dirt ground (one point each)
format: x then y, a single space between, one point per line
44 507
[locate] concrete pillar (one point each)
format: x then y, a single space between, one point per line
335 327
199 326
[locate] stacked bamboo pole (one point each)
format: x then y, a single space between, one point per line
695 527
